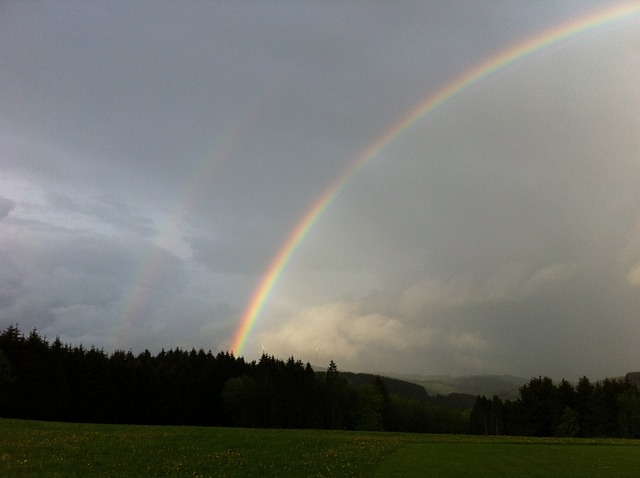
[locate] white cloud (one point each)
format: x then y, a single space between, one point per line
359 338
341 329
514 282
633 277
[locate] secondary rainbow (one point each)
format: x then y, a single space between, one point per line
137 299
427 105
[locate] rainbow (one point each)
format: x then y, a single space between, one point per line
479 72
169 231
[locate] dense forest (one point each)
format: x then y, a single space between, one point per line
608 408
54 381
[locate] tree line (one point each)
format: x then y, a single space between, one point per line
45 380
608 408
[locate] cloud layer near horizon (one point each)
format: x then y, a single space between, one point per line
154 159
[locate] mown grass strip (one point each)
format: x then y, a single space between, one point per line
512 459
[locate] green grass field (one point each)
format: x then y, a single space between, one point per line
29 448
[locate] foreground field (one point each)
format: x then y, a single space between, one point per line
30 448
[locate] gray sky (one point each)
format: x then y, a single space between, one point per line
154 157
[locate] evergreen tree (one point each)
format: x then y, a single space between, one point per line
7 379
538 404
586 407
629 412
334 395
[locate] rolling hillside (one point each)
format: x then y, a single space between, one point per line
504 386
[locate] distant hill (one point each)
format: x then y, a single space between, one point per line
504 386
402 388
414 391
454 392
633 377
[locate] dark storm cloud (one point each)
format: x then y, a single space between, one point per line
104 209
6 206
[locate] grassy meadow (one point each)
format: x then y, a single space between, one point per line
30 448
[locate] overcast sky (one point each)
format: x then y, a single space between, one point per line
154 157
